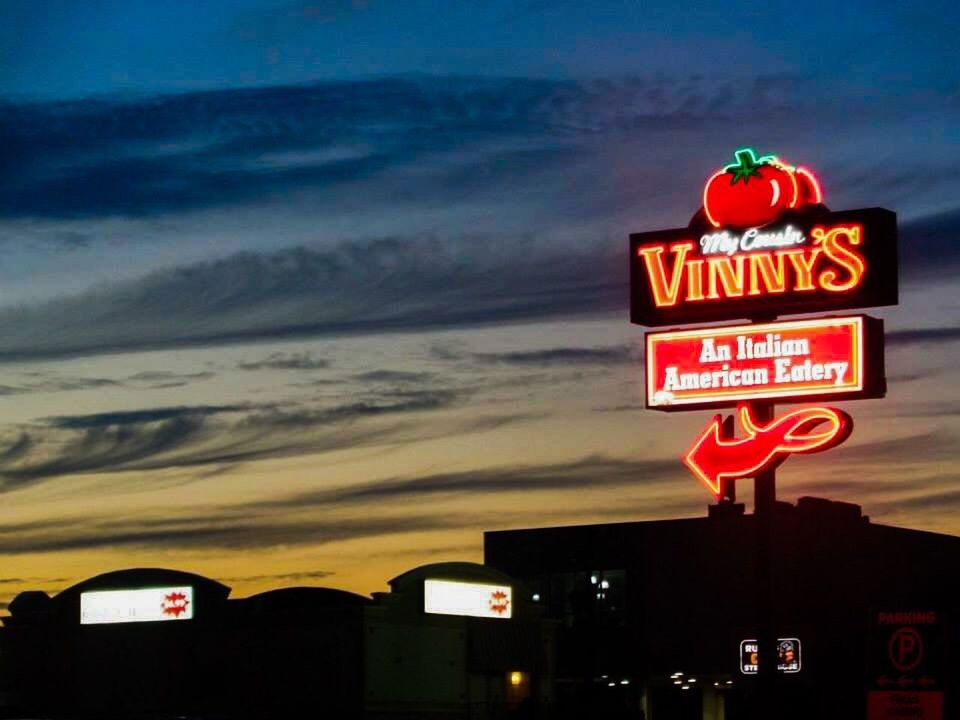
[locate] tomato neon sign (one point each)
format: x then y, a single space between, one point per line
831 264
823 358
714 457
753 191
763 244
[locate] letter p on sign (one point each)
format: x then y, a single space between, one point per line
905 649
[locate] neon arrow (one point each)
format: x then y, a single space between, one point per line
713 458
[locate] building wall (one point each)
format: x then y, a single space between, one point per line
690 596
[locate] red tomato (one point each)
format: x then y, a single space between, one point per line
810 192
750 192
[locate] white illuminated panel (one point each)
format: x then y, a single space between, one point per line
446 597
145 605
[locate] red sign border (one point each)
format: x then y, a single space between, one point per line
873 372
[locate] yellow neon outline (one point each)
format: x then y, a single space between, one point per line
818 191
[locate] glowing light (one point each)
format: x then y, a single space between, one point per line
751 191
823 357
140 605
788 661
516 678
706 206
448 597
712 458
829 264
816 193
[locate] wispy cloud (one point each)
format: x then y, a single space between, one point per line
924 336
646 487
304 576
95 158
591 472
224 435
483 149
375 286
561 356
138 417
286 361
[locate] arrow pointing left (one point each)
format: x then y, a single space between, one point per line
714 456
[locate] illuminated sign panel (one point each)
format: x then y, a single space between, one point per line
448 597
788 656
144 605
825 358
808 260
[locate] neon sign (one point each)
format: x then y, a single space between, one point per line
754 191
833 265
714 457
763 244
825 358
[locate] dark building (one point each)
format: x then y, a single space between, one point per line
450 641
162 642
653 614
438 646
643 619
59 658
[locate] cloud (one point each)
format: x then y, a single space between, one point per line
924 336
223 435
211 533
151 156
930 446
47 382
369 286
561 356
165 379
286 361
137 417
379 285
268 524
581 162
393 376
307 575
929 246
590 472
55 384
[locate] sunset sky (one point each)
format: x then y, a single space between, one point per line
313 293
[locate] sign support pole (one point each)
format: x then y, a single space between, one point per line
764 508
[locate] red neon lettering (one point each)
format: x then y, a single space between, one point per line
694 280
831 264
842 256
729 273
665 292
803 267
774 277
